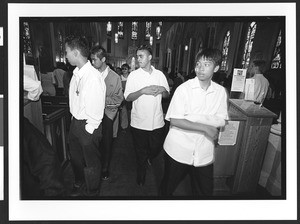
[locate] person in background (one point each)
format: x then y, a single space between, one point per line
119 71
126 106
33 88
146 87
170 81
166 101
113 99
87 103
48 82
191 75
41 173
197 109
261 84
178 80
58 74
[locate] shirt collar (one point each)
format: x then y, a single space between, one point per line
153 70
258 74
80 72
105 72
196 84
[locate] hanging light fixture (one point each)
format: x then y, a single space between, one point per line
151 40
116 38
134 30
158 30
132 64
108 28
148 30
120 30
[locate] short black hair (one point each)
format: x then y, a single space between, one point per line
210 54
125 66
260 64
99 51
79 43
165 69
145 48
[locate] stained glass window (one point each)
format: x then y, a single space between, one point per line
276 61
158 30
249 44
61 52
134 30
108 28
148 30
27 40
224 65
120 30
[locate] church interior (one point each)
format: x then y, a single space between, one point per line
249 162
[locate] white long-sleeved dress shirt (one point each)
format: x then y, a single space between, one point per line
31 83
87 96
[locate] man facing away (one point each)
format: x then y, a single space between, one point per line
113 99
197 109
87 101
146 87
261 84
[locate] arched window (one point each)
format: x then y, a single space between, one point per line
158 31
108 28
248 44
27 40
120 30
134 30
148 30
60 57
276 61
224 65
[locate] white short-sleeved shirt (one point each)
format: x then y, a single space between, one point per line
146 113
189 147
261 87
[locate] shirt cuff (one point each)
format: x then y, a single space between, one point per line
89 128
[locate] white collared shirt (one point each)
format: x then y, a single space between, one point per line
31 83
146 113
193 103
104 73
261 87
90 102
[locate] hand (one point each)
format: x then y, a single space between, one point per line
212 132
150 90
161 89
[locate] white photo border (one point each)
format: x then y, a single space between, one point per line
163 209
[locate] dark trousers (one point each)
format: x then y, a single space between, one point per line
106 142
201 177
147 145
84 149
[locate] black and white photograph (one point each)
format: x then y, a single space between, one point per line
132 112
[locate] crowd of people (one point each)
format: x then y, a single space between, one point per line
145 101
